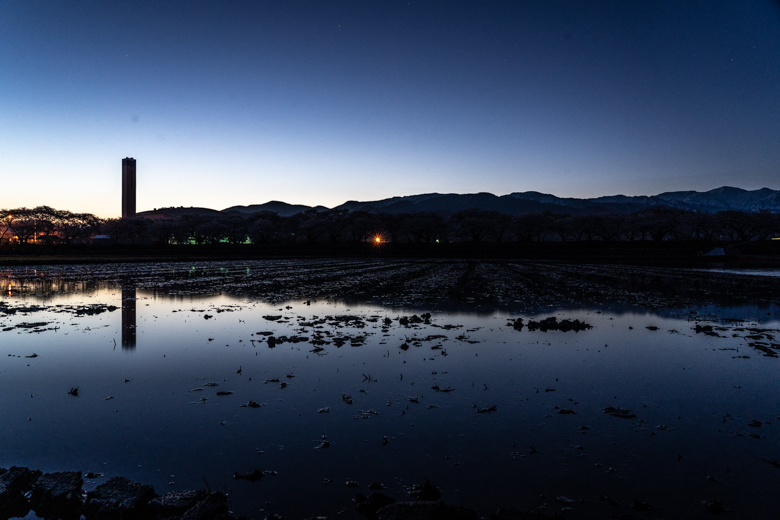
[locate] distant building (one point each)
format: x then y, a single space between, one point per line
128 187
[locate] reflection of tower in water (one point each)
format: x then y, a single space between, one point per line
128 316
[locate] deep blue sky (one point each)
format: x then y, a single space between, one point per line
318 102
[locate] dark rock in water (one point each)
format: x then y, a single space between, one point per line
369 506
291 339
703 329
511 513
57 494
713 506
619 412
253 476
772 462
17 479
119 497
516 324
14 483
609 500
426 491
213 507
424 511
176 503
552 323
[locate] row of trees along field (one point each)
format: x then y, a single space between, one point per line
47 225
44 224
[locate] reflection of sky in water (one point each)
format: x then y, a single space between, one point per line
155 429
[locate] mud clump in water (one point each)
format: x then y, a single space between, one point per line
552 323
619 412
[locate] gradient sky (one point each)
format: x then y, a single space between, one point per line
318 102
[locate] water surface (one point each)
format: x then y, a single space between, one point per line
368 393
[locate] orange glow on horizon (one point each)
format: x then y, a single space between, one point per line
378 239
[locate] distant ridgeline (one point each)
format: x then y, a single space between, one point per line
719 199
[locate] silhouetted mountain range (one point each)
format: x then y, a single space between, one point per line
179 212
281 208
719 199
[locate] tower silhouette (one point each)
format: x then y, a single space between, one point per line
128 187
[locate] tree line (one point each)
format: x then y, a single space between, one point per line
657 223
47 225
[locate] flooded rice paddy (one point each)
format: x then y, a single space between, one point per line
321 379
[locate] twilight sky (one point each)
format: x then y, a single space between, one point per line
319 102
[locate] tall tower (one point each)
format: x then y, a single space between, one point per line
128 187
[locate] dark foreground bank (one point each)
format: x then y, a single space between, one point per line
60 496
